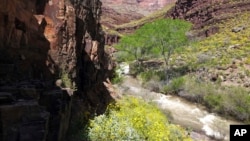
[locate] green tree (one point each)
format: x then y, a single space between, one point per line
160 37
166 35
133 47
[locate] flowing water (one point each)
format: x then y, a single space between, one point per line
205 126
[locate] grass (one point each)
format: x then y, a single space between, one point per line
110 31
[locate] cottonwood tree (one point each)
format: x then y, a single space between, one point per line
166 35
160 37
133 47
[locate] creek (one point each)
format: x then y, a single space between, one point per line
204 126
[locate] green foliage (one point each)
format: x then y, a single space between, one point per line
237 103
228 101
66 80
166 35
219 49
117 79
146 76
155 75
214 101
160 37
175 85
134 119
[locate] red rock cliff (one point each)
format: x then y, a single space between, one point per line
204 13
50 50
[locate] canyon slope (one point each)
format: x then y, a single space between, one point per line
206 14
120 16
143 7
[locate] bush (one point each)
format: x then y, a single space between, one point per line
153 80
152 75
214 102
146 76
67 83
237 103
117 79
175 85
228 101
134 119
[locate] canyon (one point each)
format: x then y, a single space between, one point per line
205 15
54 67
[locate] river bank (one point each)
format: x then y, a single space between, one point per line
204 126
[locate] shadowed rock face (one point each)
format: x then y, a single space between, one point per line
206 13
40 41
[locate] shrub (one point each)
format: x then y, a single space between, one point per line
146 75
228 101
117 79
237 103
134 119
214 102
152 75
66 80
175 85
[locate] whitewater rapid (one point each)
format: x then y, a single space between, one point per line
205 126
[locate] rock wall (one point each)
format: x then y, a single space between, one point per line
139 6
52 61
207 13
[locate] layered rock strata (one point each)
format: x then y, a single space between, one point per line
52 58
205 14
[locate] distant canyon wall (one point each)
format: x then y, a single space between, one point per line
139 6
207 13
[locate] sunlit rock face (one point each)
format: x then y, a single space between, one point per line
139 6
43 42
207 13
154 4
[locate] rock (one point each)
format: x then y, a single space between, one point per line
214 77
29 93
238 29
222 78
9 89
205 13
247 84
6 98
24 121
233 66
40 39
59 83
140 6
236 46
6 68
